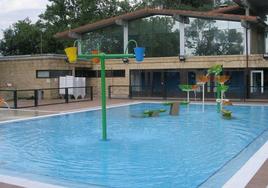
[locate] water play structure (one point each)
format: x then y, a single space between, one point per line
72 56
201 81
213 73
153 113
174 108
188 89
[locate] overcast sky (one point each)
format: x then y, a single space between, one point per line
14 10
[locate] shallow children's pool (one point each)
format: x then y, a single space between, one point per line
166 151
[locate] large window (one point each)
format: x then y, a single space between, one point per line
209 37
93 73
108 40
158 34
52 73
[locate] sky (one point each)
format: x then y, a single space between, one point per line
14 10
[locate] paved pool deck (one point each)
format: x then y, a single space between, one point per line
260 180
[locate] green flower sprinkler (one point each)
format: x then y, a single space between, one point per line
153 113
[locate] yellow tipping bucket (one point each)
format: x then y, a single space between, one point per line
71 53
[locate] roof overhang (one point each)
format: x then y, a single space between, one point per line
259 6
147 12
227 10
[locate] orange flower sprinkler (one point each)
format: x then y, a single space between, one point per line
222 79
95 59
202 80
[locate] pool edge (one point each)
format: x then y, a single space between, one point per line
243 176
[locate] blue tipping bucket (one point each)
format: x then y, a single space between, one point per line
139 53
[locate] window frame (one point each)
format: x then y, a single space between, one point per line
50 74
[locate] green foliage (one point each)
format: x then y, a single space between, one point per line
24 37
21 38
179 4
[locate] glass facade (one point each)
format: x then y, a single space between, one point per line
164 83
159 35
209 37
108 40
155 83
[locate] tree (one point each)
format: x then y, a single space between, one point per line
179 4
21 38
62 15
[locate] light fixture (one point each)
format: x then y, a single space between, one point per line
125 60
265 56
182 58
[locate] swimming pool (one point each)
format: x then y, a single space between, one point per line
165 151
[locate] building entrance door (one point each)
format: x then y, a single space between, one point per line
256 81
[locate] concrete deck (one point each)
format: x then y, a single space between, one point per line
4 185
78 105
260 180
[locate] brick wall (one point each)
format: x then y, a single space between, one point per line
21 70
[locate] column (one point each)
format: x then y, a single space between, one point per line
247 41
125 28
182 38
79 46
246 37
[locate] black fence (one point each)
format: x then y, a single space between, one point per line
26 98
238 93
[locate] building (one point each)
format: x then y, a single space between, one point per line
180 45
24 77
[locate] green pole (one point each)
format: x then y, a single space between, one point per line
218 97
103 97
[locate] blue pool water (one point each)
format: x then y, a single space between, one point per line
165 151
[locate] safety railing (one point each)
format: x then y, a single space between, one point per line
25 98
258 92
239 93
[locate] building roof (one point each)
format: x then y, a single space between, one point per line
260 6
142 13
32 57
227 10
